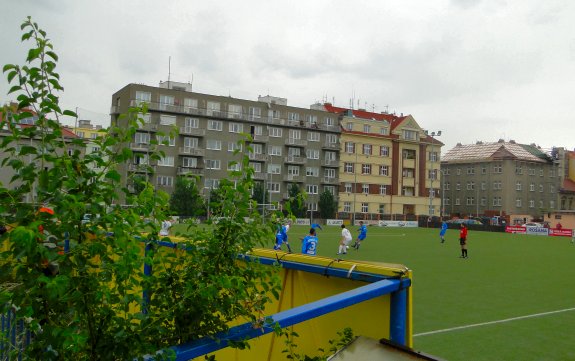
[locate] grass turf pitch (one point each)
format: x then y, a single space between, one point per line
506 276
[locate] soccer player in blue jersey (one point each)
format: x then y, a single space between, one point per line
443 231
309 243
362 235
316 225
282 237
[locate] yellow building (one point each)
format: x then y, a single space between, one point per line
389 167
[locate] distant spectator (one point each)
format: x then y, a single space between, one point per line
559 226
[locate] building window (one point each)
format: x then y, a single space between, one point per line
432 174
348 167
364 207
408 154
365 188
236 127
447 201
166 101
457 186
433 157
234 146
408 191
189 162
367 149
164 180
254 113
458 171
384 170
329 121
551 188
330 139
80 134
408 172
294 134
483 186
497 201
329 173
274 187
497 168
311 119
518 169
497 185
167 119
483 201
190 104
446 185
470 201
347 207
347 187
518 186
293 116
274 168
312 153
384 131
518 202
191 123
142 138
531 203
212 163
366 128
214 144
470 170
483 169
313 136
384 151
532 187
234 111
166 140
470 186
350 147
366 169
457 202
330 189
234 166
349 126
312 171
213 109
143 97
381 209
275 150
275 132
312 189
215 125
382 189
541 188
409 134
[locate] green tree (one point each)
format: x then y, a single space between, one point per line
259 193
85 304
296 202
327 205
186 200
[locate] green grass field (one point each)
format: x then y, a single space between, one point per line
506 276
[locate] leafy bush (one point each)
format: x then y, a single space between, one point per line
86 304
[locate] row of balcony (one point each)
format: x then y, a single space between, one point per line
173 108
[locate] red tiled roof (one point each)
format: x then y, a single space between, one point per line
392 119
66 133
568 186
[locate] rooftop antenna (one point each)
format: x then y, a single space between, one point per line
386 108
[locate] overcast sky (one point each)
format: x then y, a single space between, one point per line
476 70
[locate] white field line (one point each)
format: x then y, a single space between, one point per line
493 322
392 235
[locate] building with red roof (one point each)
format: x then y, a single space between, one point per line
389 166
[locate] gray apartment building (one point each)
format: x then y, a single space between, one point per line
502 178
290 145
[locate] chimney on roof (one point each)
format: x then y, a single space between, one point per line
459 145
479 142
402 114
512 141
501 140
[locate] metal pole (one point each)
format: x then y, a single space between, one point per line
354 185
